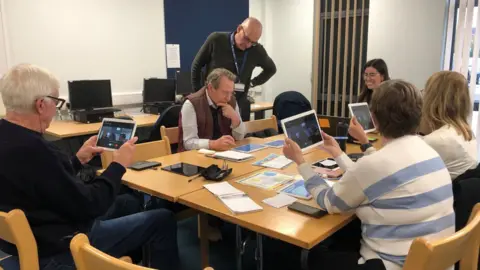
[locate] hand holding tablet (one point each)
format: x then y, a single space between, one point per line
361 111
303 129
115 132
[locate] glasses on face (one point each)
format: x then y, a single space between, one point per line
226 93
247 39
370 75
58 101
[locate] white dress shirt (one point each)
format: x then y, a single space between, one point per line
191 140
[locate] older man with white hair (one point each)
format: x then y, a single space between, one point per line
39 179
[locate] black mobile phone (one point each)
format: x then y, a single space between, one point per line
143 165
307 210
328 163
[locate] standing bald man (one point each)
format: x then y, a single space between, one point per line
240 53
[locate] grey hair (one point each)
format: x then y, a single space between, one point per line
23 84
216 74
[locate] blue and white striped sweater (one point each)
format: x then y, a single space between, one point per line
400 192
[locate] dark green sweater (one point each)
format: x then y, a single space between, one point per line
216 52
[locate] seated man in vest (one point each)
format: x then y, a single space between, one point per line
210 118
38 178
400 192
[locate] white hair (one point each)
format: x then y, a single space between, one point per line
23 84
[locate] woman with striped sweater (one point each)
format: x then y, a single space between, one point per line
400 192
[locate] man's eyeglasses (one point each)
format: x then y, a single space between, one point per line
58 101
247 39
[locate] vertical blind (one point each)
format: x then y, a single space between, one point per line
462 45
340 45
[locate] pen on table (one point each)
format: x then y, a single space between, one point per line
341 138
198 176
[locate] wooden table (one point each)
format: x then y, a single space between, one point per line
259 108
170 186
69 128
282 224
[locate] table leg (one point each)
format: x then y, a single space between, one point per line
203 224
240 246
259 115
304 259
259 252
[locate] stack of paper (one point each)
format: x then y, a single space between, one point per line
233 155
280 200
236 200
273 161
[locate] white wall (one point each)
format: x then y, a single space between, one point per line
408 35
288 39
120 40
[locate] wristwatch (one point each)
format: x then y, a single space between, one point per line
364 147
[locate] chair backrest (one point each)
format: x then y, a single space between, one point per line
463 246
288 104
168 118
171 133
143 151
87 257
262 124
14 228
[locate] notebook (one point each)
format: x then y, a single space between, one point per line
236 200
232 155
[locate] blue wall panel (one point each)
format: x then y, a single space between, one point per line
189 22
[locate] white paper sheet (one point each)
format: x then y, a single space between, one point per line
280 200
173 55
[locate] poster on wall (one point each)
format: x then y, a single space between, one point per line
173 55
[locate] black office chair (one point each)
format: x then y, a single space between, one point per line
288 104
168 118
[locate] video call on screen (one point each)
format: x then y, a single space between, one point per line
114 134
362 113
304 131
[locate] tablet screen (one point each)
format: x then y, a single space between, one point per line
304 130
297 189
362 113
114 134
184 169
248 148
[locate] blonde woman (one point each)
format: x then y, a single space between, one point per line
446 107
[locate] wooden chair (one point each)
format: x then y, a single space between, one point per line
463 246
14 228
143 151
87 257
262 124
170 133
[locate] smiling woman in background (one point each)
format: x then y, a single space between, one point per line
375 72
446 107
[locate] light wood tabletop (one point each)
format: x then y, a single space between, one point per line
281 223
69 128
261 106
171 186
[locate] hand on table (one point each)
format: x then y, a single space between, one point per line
221 144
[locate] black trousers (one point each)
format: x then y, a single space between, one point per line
343 252
243 105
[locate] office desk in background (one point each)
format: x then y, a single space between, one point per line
62 129
259 108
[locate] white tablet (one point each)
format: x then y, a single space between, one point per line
297 189
361 111
303 129
115 132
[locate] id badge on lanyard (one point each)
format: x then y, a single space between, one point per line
239 87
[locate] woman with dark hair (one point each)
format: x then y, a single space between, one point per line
375 72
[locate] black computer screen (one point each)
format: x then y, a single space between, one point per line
184 83
158 90
89 94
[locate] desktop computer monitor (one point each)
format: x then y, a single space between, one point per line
158 90
89 94
184 83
